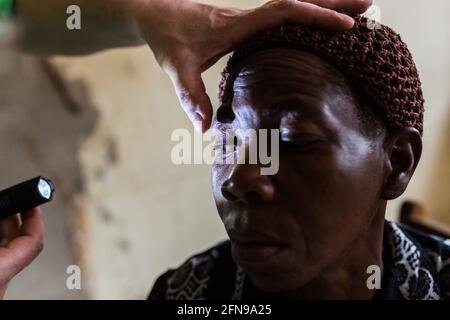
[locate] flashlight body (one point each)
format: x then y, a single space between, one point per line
25 196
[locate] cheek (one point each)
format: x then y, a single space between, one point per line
359 174
336 177
330 190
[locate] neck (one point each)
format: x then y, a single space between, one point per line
347 277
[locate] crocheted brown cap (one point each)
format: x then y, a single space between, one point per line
376 60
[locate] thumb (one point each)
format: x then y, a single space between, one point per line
191 92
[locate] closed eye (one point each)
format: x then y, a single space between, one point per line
300 140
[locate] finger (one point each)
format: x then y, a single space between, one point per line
289 11
9 229
32 224
25 248
350 6
191 92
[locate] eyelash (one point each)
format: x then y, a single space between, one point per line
301 144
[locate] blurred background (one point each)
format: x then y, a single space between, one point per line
100 127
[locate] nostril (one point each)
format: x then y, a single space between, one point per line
228 195
226 191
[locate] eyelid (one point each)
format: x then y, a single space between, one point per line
289 135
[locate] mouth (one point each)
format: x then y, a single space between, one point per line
255 249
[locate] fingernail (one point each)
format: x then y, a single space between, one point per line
198 125
198 122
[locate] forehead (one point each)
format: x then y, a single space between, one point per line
280 82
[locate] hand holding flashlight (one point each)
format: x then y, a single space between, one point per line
21 241
21 236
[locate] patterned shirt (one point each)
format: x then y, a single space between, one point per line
416 267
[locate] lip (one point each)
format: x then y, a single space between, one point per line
255 248
255 254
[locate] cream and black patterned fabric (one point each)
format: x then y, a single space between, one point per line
416 267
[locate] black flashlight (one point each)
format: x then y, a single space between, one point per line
25 196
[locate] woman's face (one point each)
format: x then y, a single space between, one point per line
288 228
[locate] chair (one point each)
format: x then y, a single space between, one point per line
414 215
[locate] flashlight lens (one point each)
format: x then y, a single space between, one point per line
45 189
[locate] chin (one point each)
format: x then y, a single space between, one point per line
273 284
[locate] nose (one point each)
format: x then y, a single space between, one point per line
246 184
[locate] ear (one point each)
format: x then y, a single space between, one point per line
403 149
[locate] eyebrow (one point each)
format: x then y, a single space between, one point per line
306 105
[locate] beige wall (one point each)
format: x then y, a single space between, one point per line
124 212
40 136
